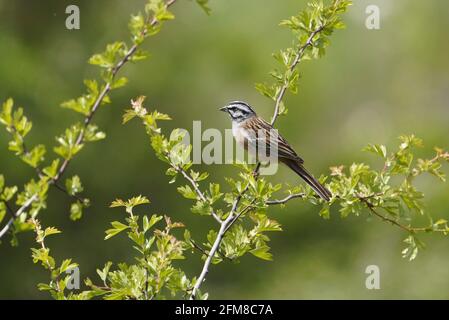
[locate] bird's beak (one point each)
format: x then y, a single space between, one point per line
224 109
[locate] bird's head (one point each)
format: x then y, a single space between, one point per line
239 110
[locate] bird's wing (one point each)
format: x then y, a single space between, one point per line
259 126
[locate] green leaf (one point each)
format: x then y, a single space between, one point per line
137 27
410 141
8 193
52 170
118 203
131 203
120 82
35 156
108 58
262 252
160 116
51 230
265 90
139 55
264 224
153 220
325 212
68 146
187 236
204 5
92 134
6 114
44 287
381 150
202 208
104 273
73 185
117 228
101 60
413 247
187 192
67 265
128 115
21 124
214 190
85 103
76 211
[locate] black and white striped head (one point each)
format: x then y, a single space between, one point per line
239 110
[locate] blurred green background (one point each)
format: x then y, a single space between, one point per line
372 86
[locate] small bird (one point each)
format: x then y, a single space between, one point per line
246 128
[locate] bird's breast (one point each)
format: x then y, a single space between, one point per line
239 133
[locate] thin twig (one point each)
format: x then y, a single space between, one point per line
88 118
197 190
8 207
205 252
243 211
404 227
64 190
382 217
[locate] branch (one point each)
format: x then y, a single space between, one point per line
106 90
404 227
286 199
17 214
292 67
205 252
8 207
197 190
40 173
213 250
87 121
64 190
246 209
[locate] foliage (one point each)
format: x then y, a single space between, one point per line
33 197
390 193
311 29
240 208
153 276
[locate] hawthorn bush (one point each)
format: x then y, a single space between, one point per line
240 209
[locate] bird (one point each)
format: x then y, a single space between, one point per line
247 126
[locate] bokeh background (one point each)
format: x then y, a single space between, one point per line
372 86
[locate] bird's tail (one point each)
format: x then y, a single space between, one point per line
309 179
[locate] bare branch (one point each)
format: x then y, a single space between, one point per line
286 199
404 227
